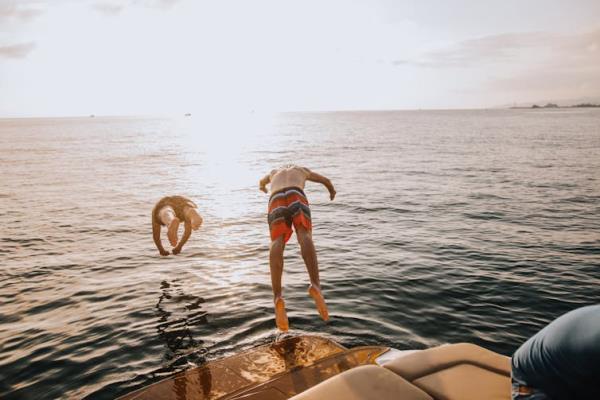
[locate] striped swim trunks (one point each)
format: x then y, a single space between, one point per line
288 207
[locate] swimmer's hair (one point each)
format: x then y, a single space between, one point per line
154 211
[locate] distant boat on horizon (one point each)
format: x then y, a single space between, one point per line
188 114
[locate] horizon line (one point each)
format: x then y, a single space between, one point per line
259 112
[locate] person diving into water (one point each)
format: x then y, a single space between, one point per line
288 206
170 211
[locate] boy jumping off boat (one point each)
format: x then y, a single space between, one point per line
170 211
288 206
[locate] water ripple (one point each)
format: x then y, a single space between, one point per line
448 226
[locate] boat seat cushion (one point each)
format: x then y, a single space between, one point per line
465 382
367 382
460 371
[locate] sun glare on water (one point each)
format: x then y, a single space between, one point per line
223 154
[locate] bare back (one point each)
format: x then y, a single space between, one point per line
178 203
287 177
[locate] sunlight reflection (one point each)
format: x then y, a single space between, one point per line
221 145
222 166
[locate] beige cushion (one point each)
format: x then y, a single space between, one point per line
425 362
465 382
367 382
460 371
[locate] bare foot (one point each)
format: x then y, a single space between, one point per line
319 302
281 318
172 232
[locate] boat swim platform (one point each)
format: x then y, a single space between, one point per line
313 367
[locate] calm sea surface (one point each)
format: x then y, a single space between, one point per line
478 226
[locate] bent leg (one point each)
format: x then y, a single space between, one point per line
309 255
172 229
168 218
276 265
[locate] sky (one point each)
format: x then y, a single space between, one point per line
123 57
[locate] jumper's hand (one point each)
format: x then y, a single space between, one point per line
164 252
332 193
177 250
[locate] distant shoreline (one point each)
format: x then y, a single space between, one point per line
552 105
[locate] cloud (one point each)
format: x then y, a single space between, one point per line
16 50
164 3
511 47
108 8
156 3
521 66
565 66
10 10
487 49
111 8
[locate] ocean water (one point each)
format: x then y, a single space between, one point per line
477 226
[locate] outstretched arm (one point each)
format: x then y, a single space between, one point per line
314 177
156 237
184 239
262 185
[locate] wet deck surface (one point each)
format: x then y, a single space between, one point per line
275 371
